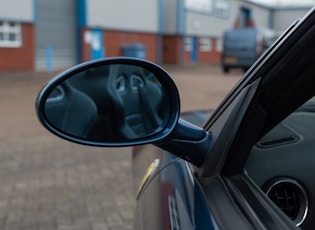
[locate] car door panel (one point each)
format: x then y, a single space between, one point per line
171 199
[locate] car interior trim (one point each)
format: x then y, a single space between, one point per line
287 192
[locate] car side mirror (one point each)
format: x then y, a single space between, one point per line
120 102
110 102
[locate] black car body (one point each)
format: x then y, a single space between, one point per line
251 164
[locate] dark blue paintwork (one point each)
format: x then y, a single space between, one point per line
171 198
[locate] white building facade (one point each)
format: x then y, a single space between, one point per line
193 34
51 35
17 42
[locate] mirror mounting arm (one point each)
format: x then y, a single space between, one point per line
188 142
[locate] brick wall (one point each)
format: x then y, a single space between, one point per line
172 52
21 58
114 40
212 56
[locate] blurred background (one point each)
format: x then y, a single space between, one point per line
52 35
48 183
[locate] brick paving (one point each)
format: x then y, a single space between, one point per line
48 183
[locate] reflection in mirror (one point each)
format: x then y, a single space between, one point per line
108 103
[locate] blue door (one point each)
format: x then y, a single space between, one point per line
97 44
194 50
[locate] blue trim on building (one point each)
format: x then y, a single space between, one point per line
161 15
271 19
97 49
161 28
181 27
82 12
81 22
49 59
181 18
35 10
194 50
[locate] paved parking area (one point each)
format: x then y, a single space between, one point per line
47 183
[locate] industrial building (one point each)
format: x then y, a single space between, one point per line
17 35
52 35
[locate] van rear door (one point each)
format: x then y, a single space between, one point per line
240 48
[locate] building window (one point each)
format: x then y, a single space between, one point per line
205 44
187 44
219 45
204 6
222 8
10 34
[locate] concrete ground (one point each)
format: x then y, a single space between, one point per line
48 183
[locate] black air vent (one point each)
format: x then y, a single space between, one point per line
279 135
276 142
286 198
289 196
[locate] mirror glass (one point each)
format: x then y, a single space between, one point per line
110 103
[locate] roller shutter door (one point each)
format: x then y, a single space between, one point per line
56 43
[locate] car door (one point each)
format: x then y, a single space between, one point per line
231 179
